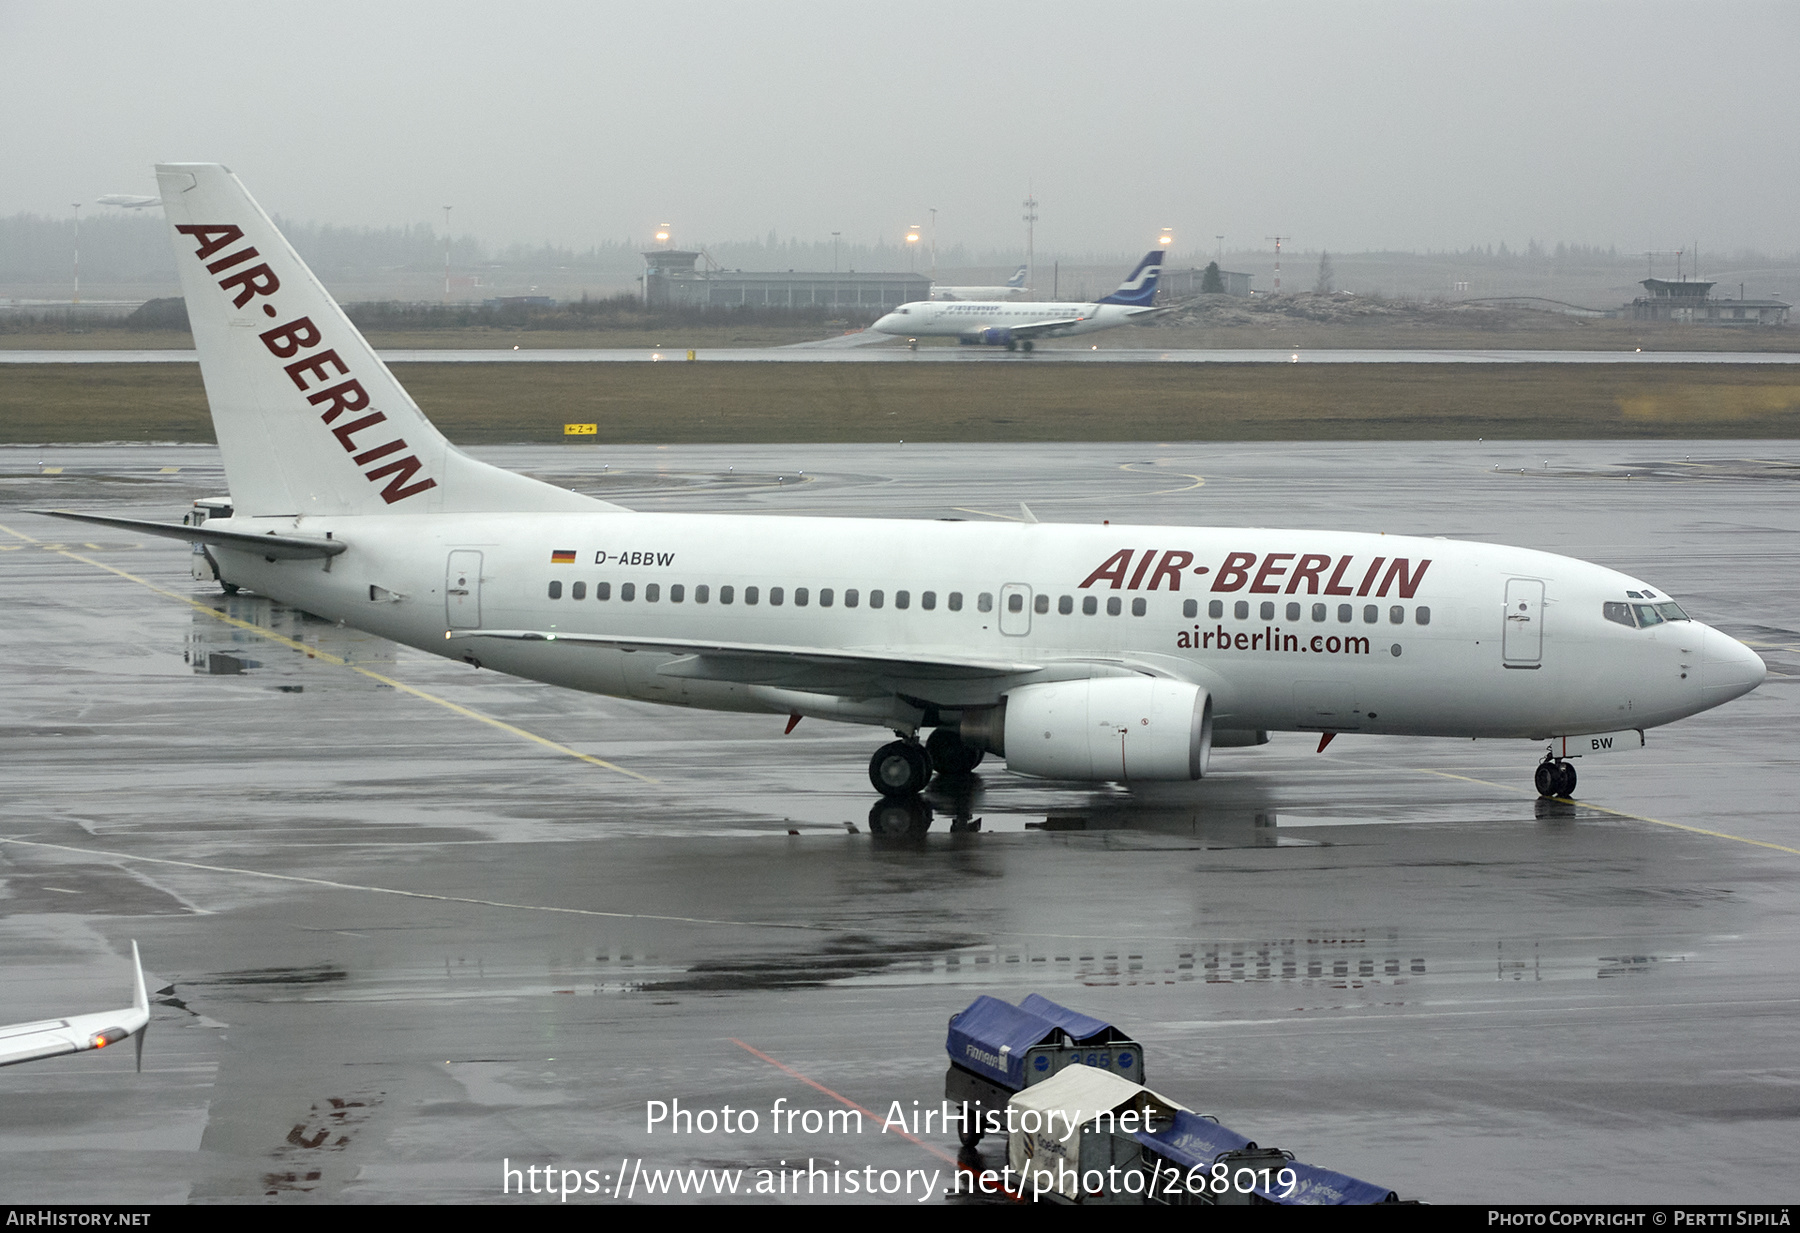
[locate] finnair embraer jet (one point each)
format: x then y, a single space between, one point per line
1015 325
1014 288
1074 652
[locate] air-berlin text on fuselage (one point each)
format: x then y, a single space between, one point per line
317 371
1279 573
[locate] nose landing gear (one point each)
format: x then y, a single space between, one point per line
1555 778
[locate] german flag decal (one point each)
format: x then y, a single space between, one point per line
562 556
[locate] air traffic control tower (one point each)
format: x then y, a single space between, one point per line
674 278
1690 301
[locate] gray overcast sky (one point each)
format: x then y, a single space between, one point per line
1348 126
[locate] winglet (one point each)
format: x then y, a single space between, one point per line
140 1001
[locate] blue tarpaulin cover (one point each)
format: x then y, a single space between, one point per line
1082 1027
1321 1187
1193 1140
991 1036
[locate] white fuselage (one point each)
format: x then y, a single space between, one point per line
1313 630
976 293
959 319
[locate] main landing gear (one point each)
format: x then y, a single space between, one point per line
904 767
1015 345
1555 778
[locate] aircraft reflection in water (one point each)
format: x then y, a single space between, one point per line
1083 653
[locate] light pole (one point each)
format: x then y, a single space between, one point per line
912 247
934 245
447 254
77 206
1031 216
834 250
1221 240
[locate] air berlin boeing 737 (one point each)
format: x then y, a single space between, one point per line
1074 652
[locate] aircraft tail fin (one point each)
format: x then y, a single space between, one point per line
1018 278
309 420
1139 290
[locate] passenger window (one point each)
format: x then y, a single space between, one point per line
751 595
876 599
1089 605
1015 602
725 594
1139 607
1216 609
1040 604
603 590
1293 612
1112 605
850 597
556 590
956 601
1190 608
1371 614
1396 615
1268 611
677 593
1318 612
578 591
1241 610
1344 614
628 591
775 597
984 602
902 599
1066 605
928 601
701 593
799 597
1422 615
825 597
652 592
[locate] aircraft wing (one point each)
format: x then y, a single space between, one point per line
756 663
280 547
29 1042
1038 329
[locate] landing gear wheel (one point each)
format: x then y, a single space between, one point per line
1555 779
950 755
900 768
1027 344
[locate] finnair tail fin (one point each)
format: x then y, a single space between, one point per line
1018 279
1139 289
309 420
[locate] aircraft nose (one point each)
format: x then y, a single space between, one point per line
1728 668
884 324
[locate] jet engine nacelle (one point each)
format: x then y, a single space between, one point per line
991 336
1109 728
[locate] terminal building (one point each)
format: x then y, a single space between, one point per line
673 279
1691 302
1181 284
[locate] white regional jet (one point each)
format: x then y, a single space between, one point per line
1074 652
1014 288
1018 324
30 1042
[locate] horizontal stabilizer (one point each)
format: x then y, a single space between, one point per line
280 547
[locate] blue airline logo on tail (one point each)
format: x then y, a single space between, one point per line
1018 279
1140 288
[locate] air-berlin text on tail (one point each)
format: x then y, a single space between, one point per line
1274 573
316 371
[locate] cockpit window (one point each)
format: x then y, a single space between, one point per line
1643 615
